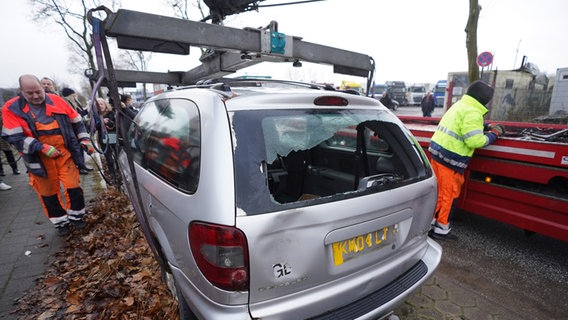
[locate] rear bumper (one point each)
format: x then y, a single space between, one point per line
372 306
384 300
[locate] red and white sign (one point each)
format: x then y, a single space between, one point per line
484 59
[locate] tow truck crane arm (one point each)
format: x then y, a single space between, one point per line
230 49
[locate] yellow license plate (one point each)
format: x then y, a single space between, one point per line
346 250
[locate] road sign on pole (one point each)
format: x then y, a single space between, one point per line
484 59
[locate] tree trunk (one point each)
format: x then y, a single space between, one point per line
471 40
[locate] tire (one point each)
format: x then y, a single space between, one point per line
184 310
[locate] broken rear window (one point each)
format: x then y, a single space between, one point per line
284 158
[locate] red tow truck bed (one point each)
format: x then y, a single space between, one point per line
522 179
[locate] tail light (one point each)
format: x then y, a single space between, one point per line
221 255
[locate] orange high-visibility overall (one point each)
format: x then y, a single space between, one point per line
450 185
60 171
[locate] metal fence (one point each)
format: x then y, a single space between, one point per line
520 105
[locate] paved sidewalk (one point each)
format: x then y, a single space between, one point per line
27 237
25 229
443 298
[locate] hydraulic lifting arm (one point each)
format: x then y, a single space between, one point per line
229 49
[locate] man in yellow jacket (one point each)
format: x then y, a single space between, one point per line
459 133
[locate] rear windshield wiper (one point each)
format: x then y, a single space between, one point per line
378 181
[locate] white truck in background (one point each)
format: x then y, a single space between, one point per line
415 94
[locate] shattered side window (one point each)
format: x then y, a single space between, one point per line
166 139
284 158
139 132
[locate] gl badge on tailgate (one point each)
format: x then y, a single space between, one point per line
281 270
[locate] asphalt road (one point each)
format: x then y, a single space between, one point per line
526 273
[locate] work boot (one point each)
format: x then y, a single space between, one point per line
441 228
441 232
437 236
78 224
63 230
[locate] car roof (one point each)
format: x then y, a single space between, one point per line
243 94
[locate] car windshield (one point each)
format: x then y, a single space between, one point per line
284 158
380 89
417 89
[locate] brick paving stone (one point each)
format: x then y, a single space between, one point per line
448 308
428 314
419 300
435 292
462 298
475 313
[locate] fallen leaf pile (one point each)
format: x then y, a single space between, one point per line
105 271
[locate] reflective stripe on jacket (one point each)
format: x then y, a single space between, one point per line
459 133
20 129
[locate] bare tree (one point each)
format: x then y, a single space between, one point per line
471 40
72 18
181 8
137 60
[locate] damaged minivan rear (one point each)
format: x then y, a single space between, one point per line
281 203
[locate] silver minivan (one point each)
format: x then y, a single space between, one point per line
270 201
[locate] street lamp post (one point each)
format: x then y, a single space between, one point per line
89 73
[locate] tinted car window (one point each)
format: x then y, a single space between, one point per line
320 156
166 139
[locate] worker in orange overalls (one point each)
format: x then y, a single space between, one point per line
460 131
51 137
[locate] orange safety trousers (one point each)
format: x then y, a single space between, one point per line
60 171
450 185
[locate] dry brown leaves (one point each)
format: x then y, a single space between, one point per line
105 271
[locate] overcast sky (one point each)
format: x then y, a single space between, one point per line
410 40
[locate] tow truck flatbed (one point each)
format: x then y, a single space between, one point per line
521 179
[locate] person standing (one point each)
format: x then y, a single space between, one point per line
48 85
50 135
7 150
387 101
459 133
70 97
427 104
126 104
107 137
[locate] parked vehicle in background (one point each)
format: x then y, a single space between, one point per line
440 93
415 94
378 90
352 87
397 90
